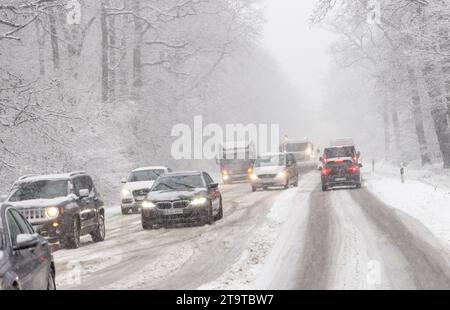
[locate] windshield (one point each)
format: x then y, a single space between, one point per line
178 183
346 151
40 190
270 161
145 175
296 147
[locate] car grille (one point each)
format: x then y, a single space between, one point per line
33 215
140 193
180 204
267 176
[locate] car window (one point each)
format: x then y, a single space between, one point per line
13 227
45 189
178 183
77 185
208 177
88 183
24 226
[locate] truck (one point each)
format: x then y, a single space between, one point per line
236 159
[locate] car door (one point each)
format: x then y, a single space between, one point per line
40 253
213 193
95 202
85 203
25 263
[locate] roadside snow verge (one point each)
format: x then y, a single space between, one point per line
427 202
245 272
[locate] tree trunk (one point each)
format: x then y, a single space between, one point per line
112 59
137 55
387 134
439 110
104 57
54 40
418 117
396 125
40 36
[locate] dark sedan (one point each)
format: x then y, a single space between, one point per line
26 262
183 197
341 172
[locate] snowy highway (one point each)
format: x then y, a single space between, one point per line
301 238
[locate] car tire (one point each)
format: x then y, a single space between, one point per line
254 189
124 211
209 217
51 283
74 240
358 185
324 188
100 232
147 225
296 183
220 214
286 186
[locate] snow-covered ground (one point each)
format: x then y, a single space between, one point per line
425 195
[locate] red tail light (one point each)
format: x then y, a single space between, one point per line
353 169
326 171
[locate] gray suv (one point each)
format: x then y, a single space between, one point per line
61 207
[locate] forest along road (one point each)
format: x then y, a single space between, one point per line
301 238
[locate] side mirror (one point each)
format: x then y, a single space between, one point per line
321 158
358 154
84 193
361 165
26 241
320 168
123 181
214 186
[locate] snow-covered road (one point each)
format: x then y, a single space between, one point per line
300 238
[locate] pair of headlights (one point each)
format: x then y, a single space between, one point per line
199 201
280 175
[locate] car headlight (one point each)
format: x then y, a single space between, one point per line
282 174
199 201
148 204
51 212
253 176
125 192
308 152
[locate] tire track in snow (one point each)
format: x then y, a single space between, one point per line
429 267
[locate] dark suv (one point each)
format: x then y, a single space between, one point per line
25 258
61 207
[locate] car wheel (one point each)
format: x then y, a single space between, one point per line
296 183
73 241
124 211
358 185
220 214
324 188
51 284
254 189
286 186
147 225
100 232
209 219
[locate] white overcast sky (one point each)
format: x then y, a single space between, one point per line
299 49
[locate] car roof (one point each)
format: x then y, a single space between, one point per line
183 173
150 168
48 177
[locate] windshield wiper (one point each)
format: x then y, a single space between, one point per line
185 185
166 185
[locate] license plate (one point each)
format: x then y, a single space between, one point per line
174 212
340 179
140 198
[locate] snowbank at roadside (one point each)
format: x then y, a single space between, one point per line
425 196
243 274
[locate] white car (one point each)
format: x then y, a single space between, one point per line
136 187
272 170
